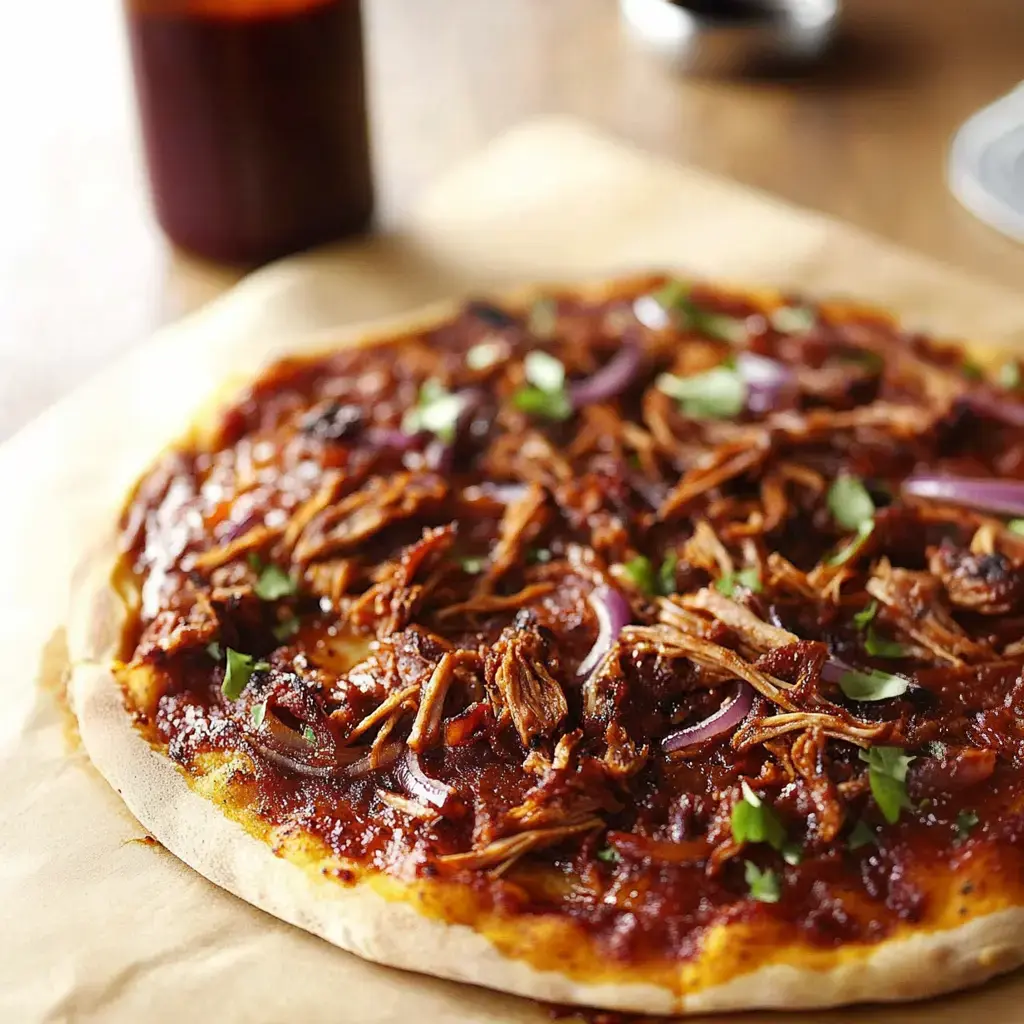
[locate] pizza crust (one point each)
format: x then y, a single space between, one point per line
361 920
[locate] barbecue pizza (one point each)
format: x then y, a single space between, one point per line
648 645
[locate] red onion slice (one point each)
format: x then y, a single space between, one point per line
392 437
611 380
613 614
991 403
724 720
1005 497
418 784
284 746
387 757
770 384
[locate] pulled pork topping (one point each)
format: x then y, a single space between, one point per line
620 608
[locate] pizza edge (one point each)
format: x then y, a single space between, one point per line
381 923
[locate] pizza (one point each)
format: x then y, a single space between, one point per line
646 645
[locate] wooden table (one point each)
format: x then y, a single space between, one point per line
84 273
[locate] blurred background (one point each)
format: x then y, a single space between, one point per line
862 135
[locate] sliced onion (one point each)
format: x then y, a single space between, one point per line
392 437
770 384
651 313
833 670
286 747
990 495
418 784
724 720
612 379
613 614
366 764
990 403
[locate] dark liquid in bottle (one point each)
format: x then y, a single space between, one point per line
254 121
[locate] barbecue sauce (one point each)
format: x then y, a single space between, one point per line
254 122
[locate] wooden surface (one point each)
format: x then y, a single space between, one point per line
84 273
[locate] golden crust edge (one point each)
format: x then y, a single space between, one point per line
394 933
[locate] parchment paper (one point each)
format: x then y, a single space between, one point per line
99 926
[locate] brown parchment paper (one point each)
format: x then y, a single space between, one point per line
99 926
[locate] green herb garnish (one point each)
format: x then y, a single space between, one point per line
849 502
484 355
748 578
436 411
641 574
793 319
1009 376
887 774
852 549
258 713
308 735
862 834
879 647
863 618
473 565
286 629
965 824
239 670
754 821
1016 526
765 886
214 650
717 394
609 855
792 853
543 318
872 685
667 574
936 749
274 583
544 394
972 370
675 298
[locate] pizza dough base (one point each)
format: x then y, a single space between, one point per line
362 921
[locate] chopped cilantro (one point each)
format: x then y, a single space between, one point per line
473 565
274 583
484 355
861 835
214 650
1009 376
754 821
849 502
667 573
863 618
748 578
852 549
717 394
793 319
308 735
543 318
965 823
675 298
764 885
1016 526
544 394
239 670
792 853
609 855
258 713
436 411
872 685
641 574
286 629
887 774
971 370
879 647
